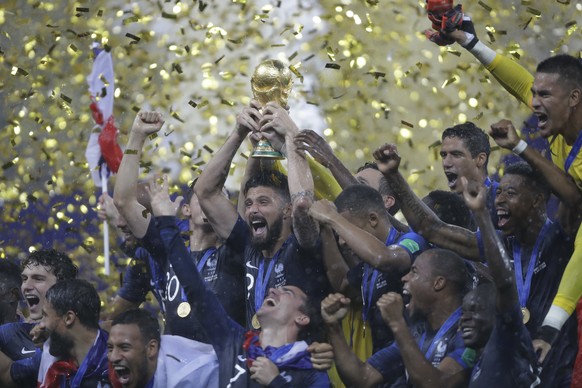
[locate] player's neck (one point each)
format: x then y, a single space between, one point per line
272 250
201 239
276 336
443 309
83 341
572 132
528 234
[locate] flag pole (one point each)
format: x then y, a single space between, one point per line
105 224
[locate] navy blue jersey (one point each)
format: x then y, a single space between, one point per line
226 336
158 275
15 340
556 247
136 282
291 265
389 363
508 360
16 343
361 277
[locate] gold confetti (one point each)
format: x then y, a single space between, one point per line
482 4
135 39
130 152
332 66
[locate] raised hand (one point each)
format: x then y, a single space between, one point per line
334 308
248 119
391 307
161 203
263 371
387 158
309 141
277 119
146 123
504 134
475 194
106 210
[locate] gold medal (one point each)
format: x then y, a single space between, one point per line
184 309
255 322
526 315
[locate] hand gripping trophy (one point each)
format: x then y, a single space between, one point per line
271 82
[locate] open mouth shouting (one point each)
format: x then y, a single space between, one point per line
452 178
543 123
259 226
406 299
503 217
123 374
33 301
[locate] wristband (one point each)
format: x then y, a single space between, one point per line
548 334
520 147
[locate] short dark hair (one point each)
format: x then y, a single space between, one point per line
450 208
147 323
56 262
9 275
384 187
270 178
360 200
474 138
532 177
79 296
452 267
568 67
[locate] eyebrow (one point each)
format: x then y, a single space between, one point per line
288 289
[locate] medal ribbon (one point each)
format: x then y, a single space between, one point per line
368 282
452 320
573 152
209 252
263 279
524 285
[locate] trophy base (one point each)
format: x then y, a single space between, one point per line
267 155
265 150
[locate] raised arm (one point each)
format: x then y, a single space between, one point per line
125 192
510 74
351 369
367 247
301 188
419 216
218 209
216 323
309 141
421 372
505 135
498 260
336 267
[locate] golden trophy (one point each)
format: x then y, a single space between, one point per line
271 82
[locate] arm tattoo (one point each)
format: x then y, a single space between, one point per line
301 194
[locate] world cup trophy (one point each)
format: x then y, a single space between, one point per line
271 82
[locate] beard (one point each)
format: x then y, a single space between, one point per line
60 346
273 234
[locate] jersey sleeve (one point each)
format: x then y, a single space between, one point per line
413 243
513 77
388 362
136 281
219 327
24 373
